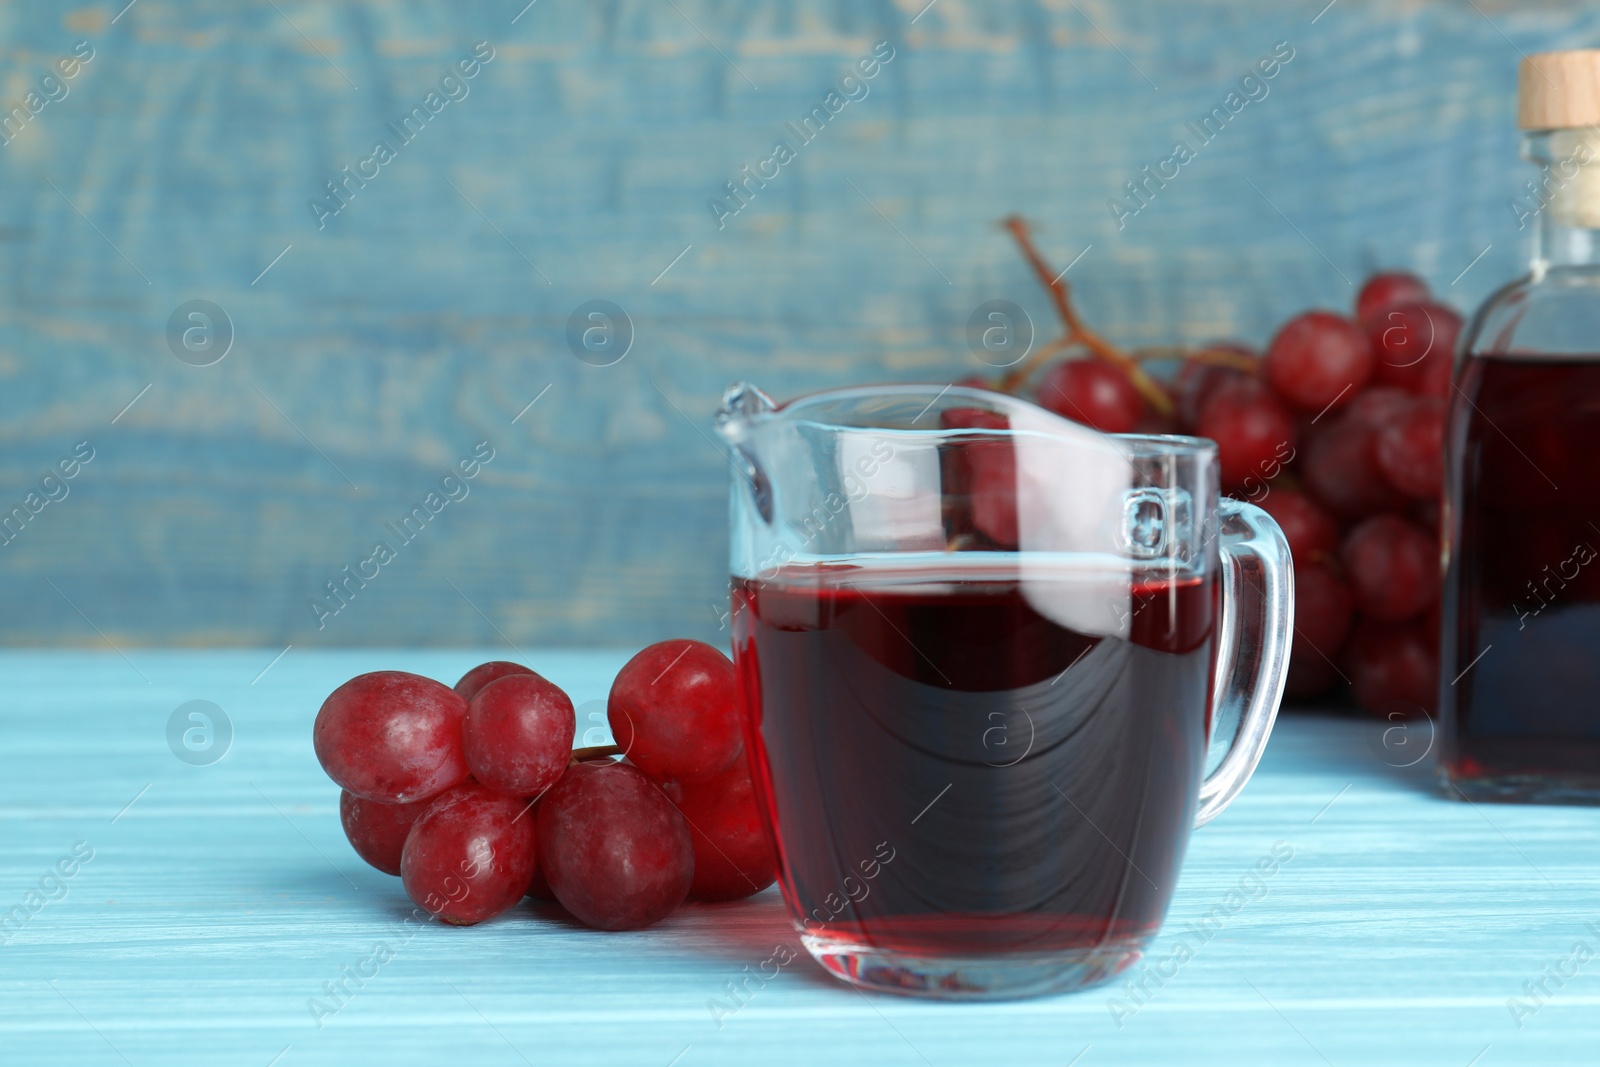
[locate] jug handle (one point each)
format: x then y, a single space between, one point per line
1254 638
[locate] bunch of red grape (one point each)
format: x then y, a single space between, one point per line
1339 435
475 797
1338 432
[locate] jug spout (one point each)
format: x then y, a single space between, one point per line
742 406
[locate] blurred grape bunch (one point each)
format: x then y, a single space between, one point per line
1337 431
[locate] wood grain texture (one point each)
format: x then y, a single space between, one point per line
433 307
1559 90
217 906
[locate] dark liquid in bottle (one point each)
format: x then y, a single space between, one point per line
1522 718
952 772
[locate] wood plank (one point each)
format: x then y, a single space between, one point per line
217 905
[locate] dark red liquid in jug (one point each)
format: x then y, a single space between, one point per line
954 768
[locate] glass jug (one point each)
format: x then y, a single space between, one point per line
983 653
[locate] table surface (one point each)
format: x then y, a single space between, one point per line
221 899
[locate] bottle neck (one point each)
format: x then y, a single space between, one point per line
1556 244
1565 196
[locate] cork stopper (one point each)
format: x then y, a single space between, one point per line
1559 90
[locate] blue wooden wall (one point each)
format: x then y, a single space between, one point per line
392 337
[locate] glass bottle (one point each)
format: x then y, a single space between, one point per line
1520 650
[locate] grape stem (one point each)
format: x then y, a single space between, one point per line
1076 331
579 755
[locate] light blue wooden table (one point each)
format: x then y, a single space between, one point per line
221 898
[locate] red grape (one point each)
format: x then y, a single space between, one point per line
1255 435
1197 382
518 734
1323 608
1383 291
1410 450
616 853
539 888
1375 408
972 419
1341 470
1157 423
671 710
484 673
1310 530
378 831
1309 676
1319 359
1093 392
1393 669
470 856
987 469
674 788
733 855
1416 346
1426 512
392 737
1393 566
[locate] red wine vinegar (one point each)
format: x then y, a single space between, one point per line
977 761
